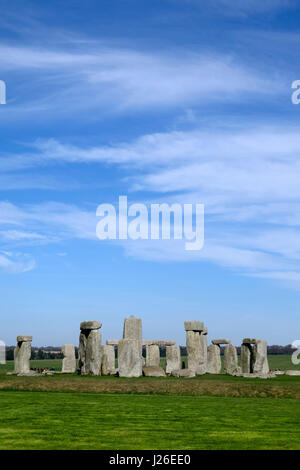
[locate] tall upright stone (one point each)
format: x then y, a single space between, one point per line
231 360
247 355
129 358
108 360
152 355
246 358
2 353
260 354
203 344
196 346
22 354
69 360
133 329
89 351
214 365
173 358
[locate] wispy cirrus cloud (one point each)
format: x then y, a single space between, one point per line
16 263
117 80
244 7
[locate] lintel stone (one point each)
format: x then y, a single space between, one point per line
249 341
90 325
24 338
194 325
221 341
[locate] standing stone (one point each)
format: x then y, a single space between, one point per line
214 365
69 360
108 360
129 358
89 351
173 358
193 348
260 357
2 353
22 354
152 355
231 360
133 330
246 358
196 345
203 344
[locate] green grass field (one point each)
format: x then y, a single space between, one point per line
40 420
206 412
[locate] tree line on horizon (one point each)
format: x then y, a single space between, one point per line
54 352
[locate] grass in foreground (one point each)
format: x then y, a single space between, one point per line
51 420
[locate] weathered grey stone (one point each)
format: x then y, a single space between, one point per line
129 358
2 353
201 369
203 346
292 372
247 358
22 354
153 371
193 348
257 375
186 373
249 341
221 341
260 357
30 373
69 360
173 358
158 342
152 355
133 330
193 325
214 365
108 360
196 346
89 351
231 360
90 325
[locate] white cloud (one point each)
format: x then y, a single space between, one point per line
16 263
115 79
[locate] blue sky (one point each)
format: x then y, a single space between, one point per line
163 101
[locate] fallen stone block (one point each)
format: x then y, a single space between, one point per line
292 372
153 371
186 373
